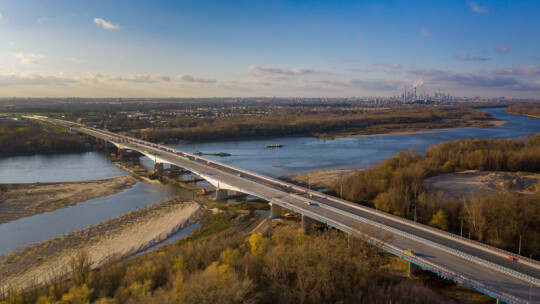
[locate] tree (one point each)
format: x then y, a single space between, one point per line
440 220
255 241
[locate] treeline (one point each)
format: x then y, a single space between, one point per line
525 109
396 185
29 138
299 121
235 267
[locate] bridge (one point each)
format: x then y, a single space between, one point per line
502 275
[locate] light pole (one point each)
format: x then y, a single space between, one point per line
461 232
341 186
519 248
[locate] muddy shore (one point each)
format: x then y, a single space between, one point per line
320 179
22 200
121 236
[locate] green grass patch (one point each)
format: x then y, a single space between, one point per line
215 224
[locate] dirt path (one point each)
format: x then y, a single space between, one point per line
123 236
22 200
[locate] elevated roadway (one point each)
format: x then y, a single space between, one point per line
500 274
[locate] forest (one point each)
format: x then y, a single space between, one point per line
31 137
221 263
396 185
528 110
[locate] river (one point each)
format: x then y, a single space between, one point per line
305 154
298 154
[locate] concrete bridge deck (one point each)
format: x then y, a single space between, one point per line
484 268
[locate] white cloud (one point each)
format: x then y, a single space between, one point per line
106 24
43 19
469 58
33 79
269 71
1 16
11 43
425 32
189 78
476 8
28 58
503 49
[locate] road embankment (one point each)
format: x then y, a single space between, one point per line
121 236
23 200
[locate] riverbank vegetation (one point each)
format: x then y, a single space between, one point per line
289 121
25 137
396 185
525 109
233 266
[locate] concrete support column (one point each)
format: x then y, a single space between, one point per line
413 268
307 223
175 167
275 211
222 194
158 167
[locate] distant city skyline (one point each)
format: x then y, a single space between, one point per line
63 48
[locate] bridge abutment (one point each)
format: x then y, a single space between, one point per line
222 194
275 211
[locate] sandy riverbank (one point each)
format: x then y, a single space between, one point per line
320 179
123 236
22 200
465 183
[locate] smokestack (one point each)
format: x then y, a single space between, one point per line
414 98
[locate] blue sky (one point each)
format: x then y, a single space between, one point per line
271 48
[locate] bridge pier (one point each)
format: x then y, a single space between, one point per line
174 168
158 167
307 223
413 268
275 211
222 194
121 152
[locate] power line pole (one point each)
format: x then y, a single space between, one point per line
519 249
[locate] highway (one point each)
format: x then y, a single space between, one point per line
484 268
